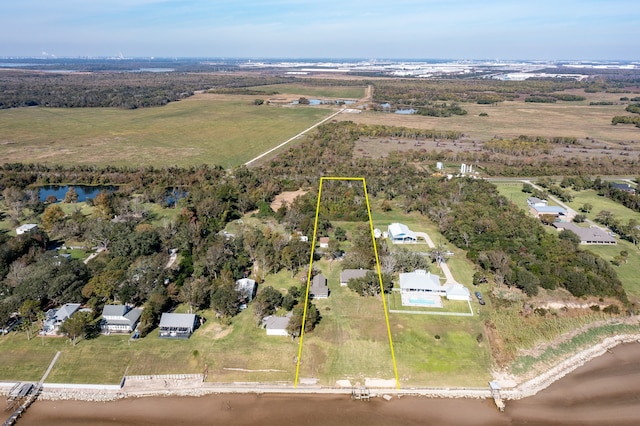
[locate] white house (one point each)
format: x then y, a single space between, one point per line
536 202
119 318
422 288
324 242
457 292
399 234
276 326
27 227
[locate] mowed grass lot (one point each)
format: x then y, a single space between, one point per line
515 118
211 129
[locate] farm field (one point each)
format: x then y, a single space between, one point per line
515 118
337 92
204 129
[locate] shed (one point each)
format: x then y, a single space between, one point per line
27 227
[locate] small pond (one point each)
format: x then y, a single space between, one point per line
84 192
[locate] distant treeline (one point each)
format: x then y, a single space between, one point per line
113 89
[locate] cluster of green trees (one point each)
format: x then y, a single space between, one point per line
443 109
115 89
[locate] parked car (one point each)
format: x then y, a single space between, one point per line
480 299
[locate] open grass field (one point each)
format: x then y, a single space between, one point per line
601 203
337 92
204 129
515 118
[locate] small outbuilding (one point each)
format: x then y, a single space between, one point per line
27 227
246 287
177 326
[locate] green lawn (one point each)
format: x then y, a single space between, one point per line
210 129
601 203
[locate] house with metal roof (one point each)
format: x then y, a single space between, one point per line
55 317
119 319
588 236
350 274
246 287
319 288
177 326
401 234
276 326
557 211
27 227
422 288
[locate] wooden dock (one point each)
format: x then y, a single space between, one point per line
26 394
361 393
497 398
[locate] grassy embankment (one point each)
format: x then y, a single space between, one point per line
211 129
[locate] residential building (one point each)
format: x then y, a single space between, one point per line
558 212
276 326
536 202
27 227
324 242
319 288
401 234
177 326
349 274
55 317
119 318
623 187
588 236
422 288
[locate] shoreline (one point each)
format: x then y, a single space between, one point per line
190 385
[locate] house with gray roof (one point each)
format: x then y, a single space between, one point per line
177 326
119 319
350 274
55 317
319 288
588 236
276 326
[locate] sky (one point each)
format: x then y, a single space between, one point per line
370 29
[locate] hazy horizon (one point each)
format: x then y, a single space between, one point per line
406 29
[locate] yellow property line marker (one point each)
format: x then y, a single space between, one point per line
375 251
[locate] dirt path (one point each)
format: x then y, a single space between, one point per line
248 163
